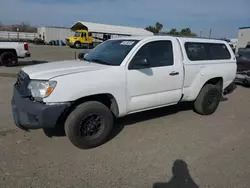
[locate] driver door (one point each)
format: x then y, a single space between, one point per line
83 37
153 77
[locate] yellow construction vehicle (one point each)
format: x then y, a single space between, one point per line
84 39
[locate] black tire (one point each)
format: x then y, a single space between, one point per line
77 45
78 124
9 59
208 99
246 83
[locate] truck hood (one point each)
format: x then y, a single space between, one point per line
54 69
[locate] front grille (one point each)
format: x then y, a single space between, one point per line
22 83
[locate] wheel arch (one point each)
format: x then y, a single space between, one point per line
217 81
8 50
105 98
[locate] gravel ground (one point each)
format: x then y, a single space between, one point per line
164 148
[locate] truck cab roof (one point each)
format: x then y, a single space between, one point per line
180 38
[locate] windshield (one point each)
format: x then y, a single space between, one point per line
111 52
77 34
245 58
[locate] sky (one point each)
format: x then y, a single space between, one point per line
224 17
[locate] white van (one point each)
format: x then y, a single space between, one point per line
120 77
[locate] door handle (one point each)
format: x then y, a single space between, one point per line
174 73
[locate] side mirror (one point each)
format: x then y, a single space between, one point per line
140 63
81 55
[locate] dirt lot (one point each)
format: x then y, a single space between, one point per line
165 148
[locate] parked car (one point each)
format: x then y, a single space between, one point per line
243 70
11 51
244 51
119 77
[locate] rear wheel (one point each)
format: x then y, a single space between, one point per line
208 99
89 125
8 59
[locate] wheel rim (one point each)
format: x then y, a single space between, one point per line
91 126
77 45
9 60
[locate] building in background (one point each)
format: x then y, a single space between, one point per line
243 38
54 33
97 30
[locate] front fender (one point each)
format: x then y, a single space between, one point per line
72 87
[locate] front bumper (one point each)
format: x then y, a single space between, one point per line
28 114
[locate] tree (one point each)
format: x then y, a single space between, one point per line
158 27
173 32
155 29
187 32
23 27
183 32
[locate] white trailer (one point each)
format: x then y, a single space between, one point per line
54 33
243 39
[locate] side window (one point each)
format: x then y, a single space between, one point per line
83 35
206 51
245 58
219 51
196 51
157 54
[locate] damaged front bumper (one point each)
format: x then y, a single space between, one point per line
243 77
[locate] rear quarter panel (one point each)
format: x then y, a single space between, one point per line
197 73
17 46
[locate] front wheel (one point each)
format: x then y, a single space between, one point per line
77 45
208 100
89 125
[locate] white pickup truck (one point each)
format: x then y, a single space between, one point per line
11 51
120 77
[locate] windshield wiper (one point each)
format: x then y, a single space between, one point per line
99 61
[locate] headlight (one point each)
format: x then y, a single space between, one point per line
41 89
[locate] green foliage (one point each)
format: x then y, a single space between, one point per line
183 32
155 29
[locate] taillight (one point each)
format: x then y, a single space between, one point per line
26 47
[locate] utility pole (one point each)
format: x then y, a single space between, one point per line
210 33
200 33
